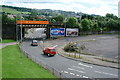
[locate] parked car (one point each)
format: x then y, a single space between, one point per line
34 43
49 51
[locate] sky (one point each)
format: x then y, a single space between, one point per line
98 7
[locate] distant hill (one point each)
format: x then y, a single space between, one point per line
40 12
12 10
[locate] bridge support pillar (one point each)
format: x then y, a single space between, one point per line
48 32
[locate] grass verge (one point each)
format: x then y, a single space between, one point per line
7 41
16 65
0 64
106 60
118 37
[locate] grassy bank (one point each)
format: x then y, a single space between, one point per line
118 37
16 65
7 41
0 64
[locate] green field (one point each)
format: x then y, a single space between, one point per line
16 65
7 41
12 11
9 10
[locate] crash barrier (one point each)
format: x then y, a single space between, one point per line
54 71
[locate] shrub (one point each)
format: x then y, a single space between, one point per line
70 47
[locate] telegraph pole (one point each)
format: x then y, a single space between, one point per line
16 30
21 26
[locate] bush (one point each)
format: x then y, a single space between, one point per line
70 47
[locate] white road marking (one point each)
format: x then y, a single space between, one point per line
72 73
77 75
103 37
85 77
85 65
76 70
65 72
79 67
55 46
106 73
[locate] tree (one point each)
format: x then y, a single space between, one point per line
7 19
112 24
85 23
111 16
72 22
58 18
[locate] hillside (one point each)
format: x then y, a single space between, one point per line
12 11
39 12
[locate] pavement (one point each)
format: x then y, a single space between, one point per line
2 45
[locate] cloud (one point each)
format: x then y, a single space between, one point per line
99 7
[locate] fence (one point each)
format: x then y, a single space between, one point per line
54 71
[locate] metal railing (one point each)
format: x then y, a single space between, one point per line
54 71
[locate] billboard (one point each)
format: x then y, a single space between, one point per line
72 32
57 32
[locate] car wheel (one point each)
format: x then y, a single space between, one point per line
48 55
44 53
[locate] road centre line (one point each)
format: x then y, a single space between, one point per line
76 70
72 73
79 67
85 77
106 73
65 72
78 75
85 65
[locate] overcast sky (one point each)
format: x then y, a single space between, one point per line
99 7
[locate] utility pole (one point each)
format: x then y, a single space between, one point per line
16 30
65 26
21 26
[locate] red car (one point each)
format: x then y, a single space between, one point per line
49 51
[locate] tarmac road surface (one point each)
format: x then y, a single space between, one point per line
70 68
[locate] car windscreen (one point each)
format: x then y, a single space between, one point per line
34 41
52 50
